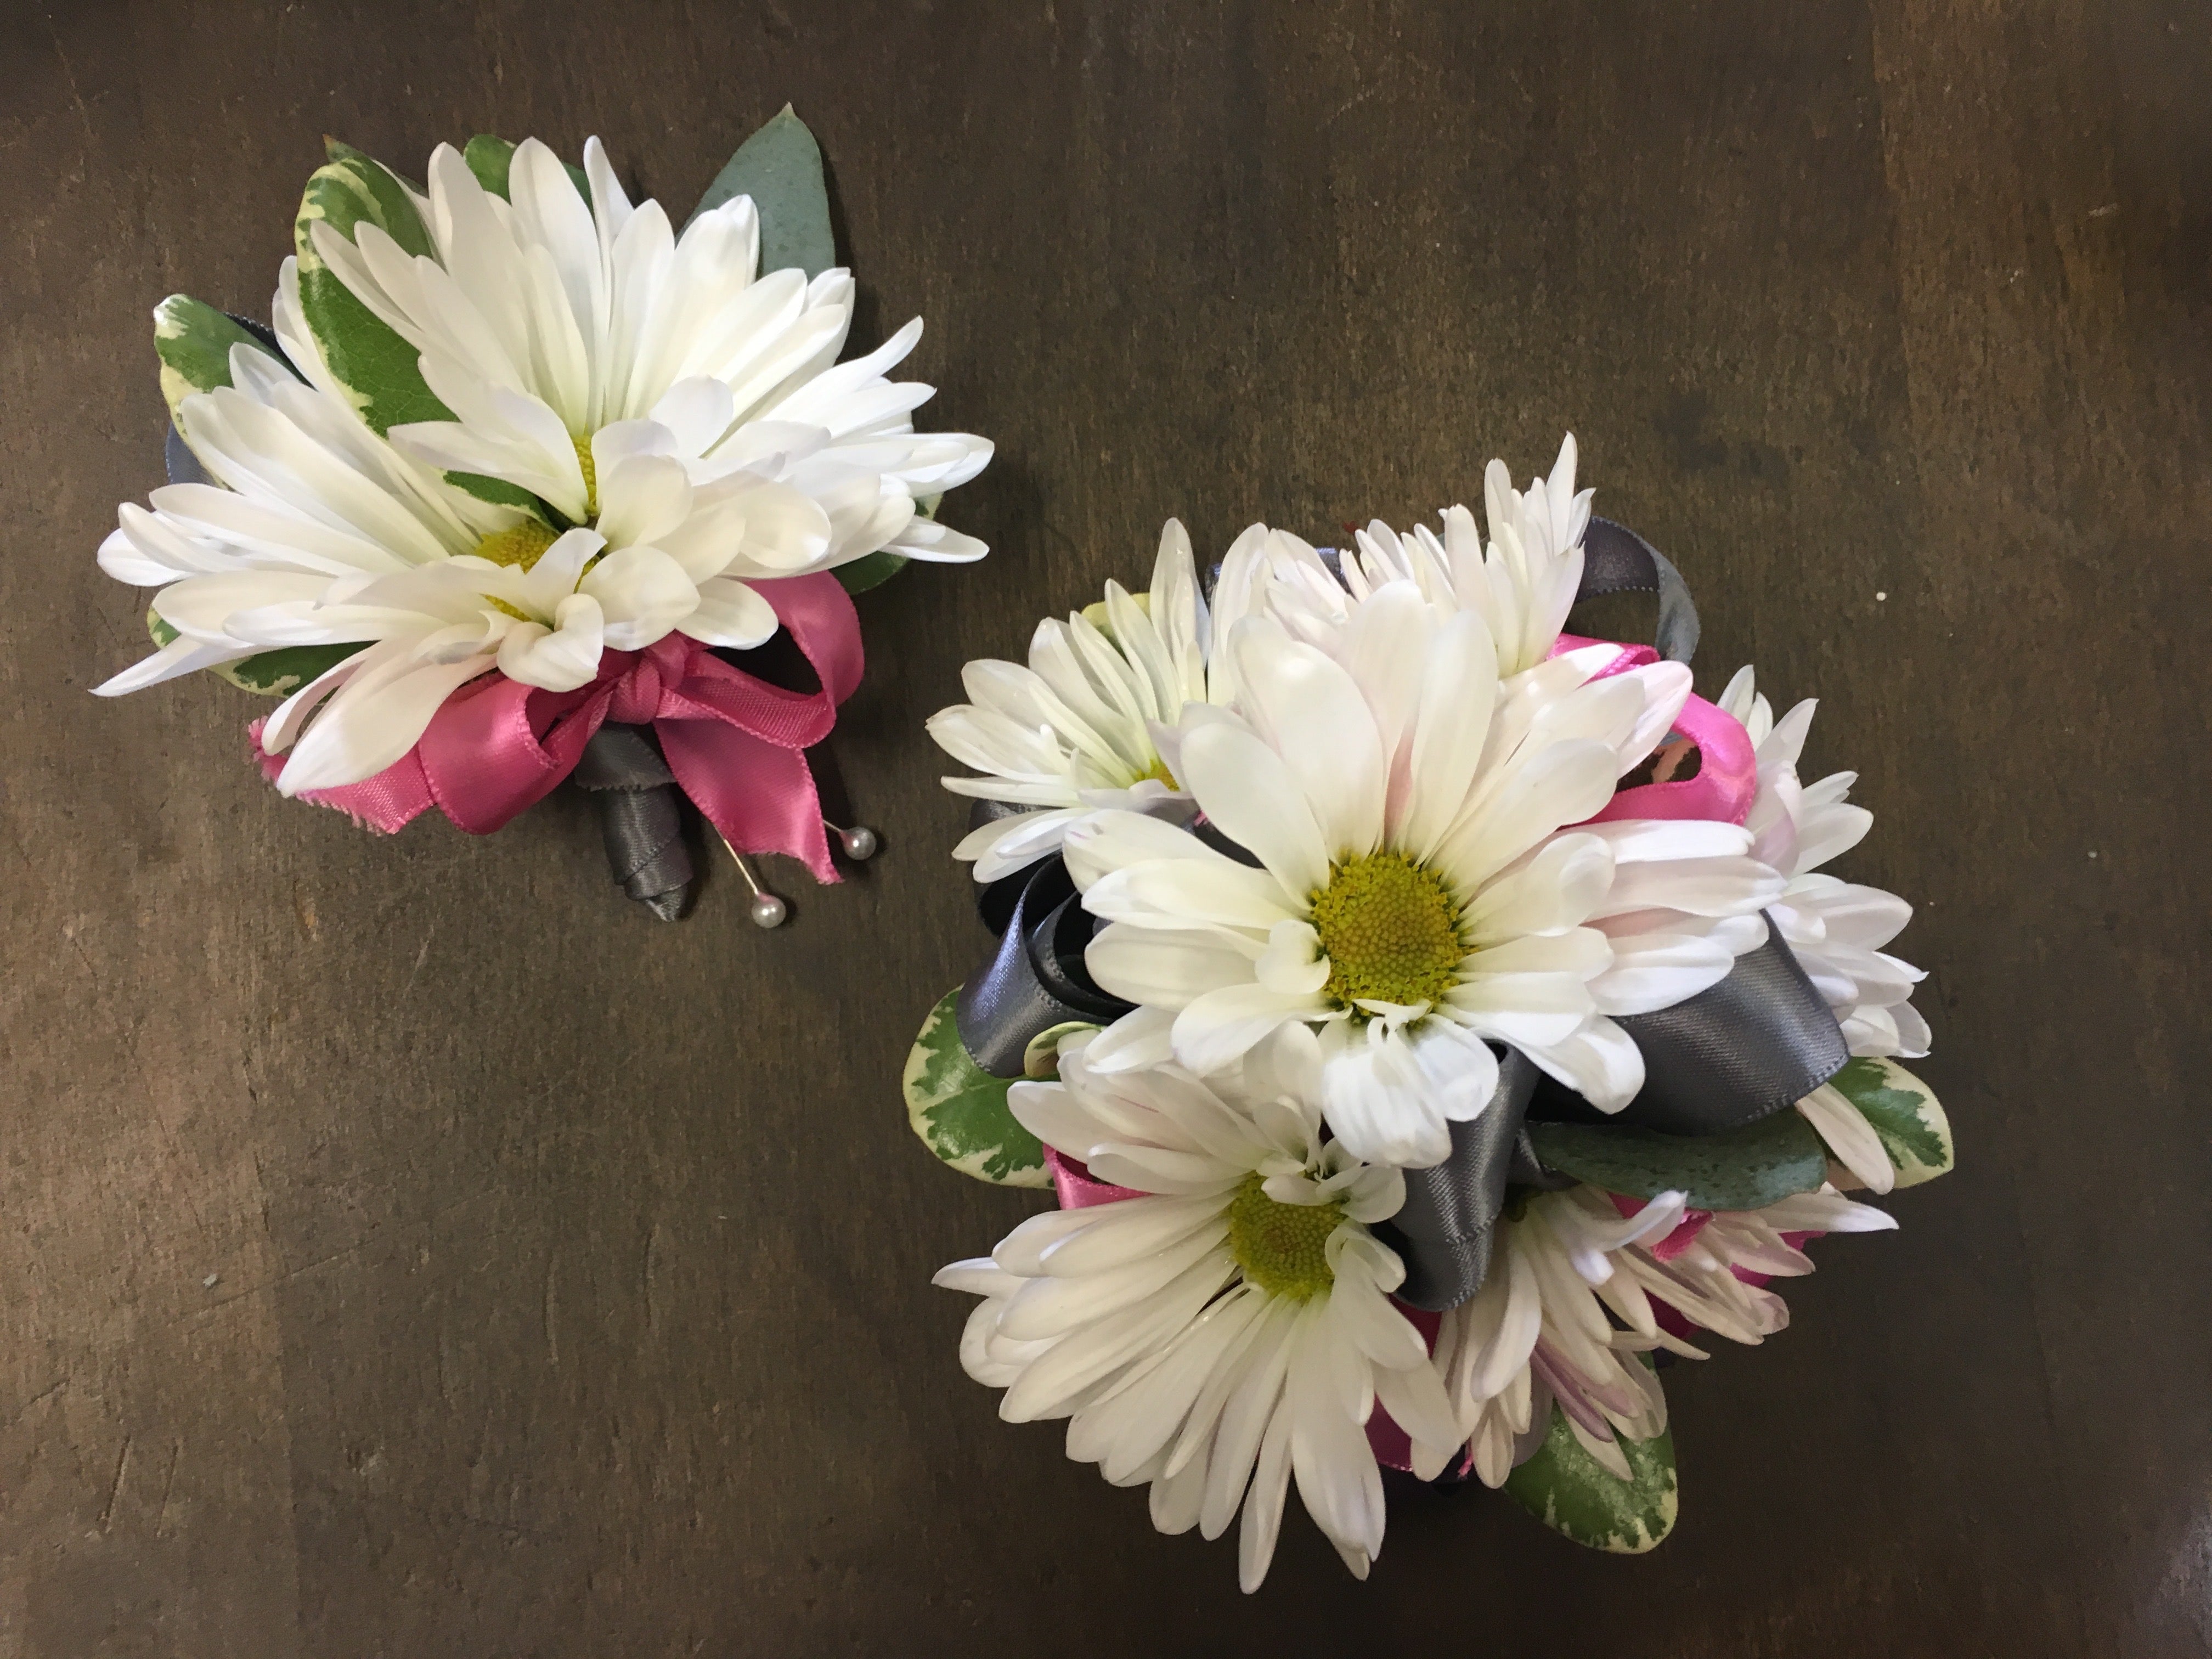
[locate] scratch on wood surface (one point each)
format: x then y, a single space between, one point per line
552 1341
645 1276
169 1481
115 1487
38 1399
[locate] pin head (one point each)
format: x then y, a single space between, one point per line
859 841
768 910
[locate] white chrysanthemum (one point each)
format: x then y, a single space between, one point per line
1522 586
1414 894
1230 1330
1539 1330
1835 928
651 385
316 532
1084 726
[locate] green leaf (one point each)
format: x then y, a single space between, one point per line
280 673
273 673
500 493
876 569
489 159
379 370
193 340
1570 1492
1744 1168
873 571
1905 1113
779 168
492 159
960 1111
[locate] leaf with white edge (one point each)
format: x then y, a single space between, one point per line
1571 1493
492 161
960 1111
193 340
379 370
1742 1168
273 673
779 168
1903 1113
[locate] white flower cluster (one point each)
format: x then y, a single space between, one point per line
1410 767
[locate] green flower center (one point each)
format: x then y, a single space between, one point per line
1390 928
1282 1248
1158 772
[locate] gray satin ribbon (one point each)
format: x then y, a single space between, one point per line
1444 1230
640 819
1035 979
1616 559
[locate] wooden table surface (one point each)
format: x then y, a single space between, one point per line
410 1248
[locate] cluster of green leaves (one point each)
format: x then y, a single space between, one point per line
1761 1163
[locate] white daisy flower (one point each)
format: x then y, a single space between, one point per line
1226 1332
316 532
1414 895
1568 1309
1835 928
1522 585
651 386
1086 724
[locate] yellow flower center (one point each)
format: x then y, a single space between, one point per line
590 478
1157 771
1282 1248
1390 929
523 544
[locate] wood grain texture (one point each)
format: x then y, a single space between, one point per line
411 1250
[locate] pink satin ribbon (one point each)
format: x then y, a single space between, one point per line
1728 766
735 743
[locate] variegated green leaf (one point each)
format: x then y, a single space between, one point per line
273 673
1743 1169
779 168
960 1111
1903 1113
193 340
1570 1492
379 370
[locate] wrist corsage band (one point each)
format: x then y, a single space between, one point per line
514 478
1429 1023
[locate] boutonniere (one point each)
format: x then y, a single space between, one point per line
513 479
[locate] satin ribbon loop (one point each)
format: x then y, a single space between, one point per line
733 742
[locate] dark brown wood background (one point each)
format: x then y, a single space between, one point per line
408 1249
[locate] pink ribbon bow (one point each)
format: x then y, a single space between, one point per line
1728 766
735 743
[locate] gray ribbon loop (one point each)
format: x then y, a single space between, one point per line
1760 1040
1444 1231
1036 980
1616 559
639 817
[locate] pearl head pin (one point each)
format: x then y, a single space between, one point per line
768 910
859 841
